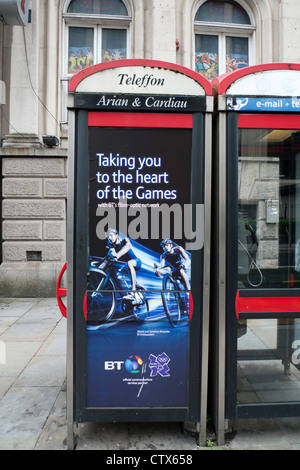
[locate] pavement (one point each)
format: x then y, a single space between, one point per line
33 397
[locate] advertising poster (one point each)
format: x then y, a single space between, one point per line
138 293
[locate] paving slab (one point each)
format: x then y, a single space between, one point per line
29 332
41 314
54 432
47 371
54 345
17 307
6 322
33 397
23 413
18 355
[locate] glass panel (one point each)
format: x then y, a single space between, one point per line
269 208
222 12
81 49
268 257
268 362
237 55
103 7
113 44
207 55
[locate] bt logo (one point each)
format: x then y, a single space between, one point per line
111 365
132 364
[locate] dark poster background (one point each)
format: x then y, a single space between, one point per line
133 363
169 150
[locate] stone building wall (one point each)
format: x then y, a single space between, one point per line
34 221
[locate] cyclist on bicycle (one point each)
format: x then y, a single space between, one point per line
122 250
176 257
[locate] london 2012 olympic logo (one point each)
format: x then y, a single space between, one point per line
133 364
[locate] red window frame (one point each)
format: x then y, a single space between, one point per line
126 119
269 121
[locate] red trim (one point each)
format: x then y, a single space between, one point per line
266 304
191 306
269 121
221 84
78 77
62 292
159 120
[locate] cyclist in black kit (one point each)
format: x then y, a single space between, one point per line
122 250
177 258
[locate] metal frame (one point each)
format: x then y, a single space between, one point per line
223 357
228 408
161 413
217 365
201 428
76 281
70 283
236 410
77 265
77 214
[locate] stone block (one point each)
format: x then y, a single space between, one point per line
264 190
268 250
33 209
270 170
54 230
22 187
55 188
33 167
21 251
18 230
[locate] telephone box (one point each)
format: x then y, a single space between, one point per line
256 240
138 244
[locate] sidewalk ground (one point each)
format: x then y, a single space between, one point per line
33 396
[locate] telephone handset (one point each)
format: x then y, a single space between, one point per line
249 242
252 265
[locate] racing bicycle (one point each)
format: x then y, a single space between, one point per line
110 285
174 295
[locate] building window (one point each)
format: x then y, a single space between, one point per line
81 48
98 7
224 38
96 31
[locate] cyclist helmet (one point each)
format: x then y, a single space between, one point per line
111 242
111 230
166 241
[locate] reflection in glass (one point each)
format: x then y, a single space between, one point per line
103 7
269 362
81 49
113 44
207 55
237 55
269 265
222 12
269 200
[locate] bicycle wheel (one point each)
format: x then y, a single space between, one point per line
101 302
183 297
171 300
141 311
